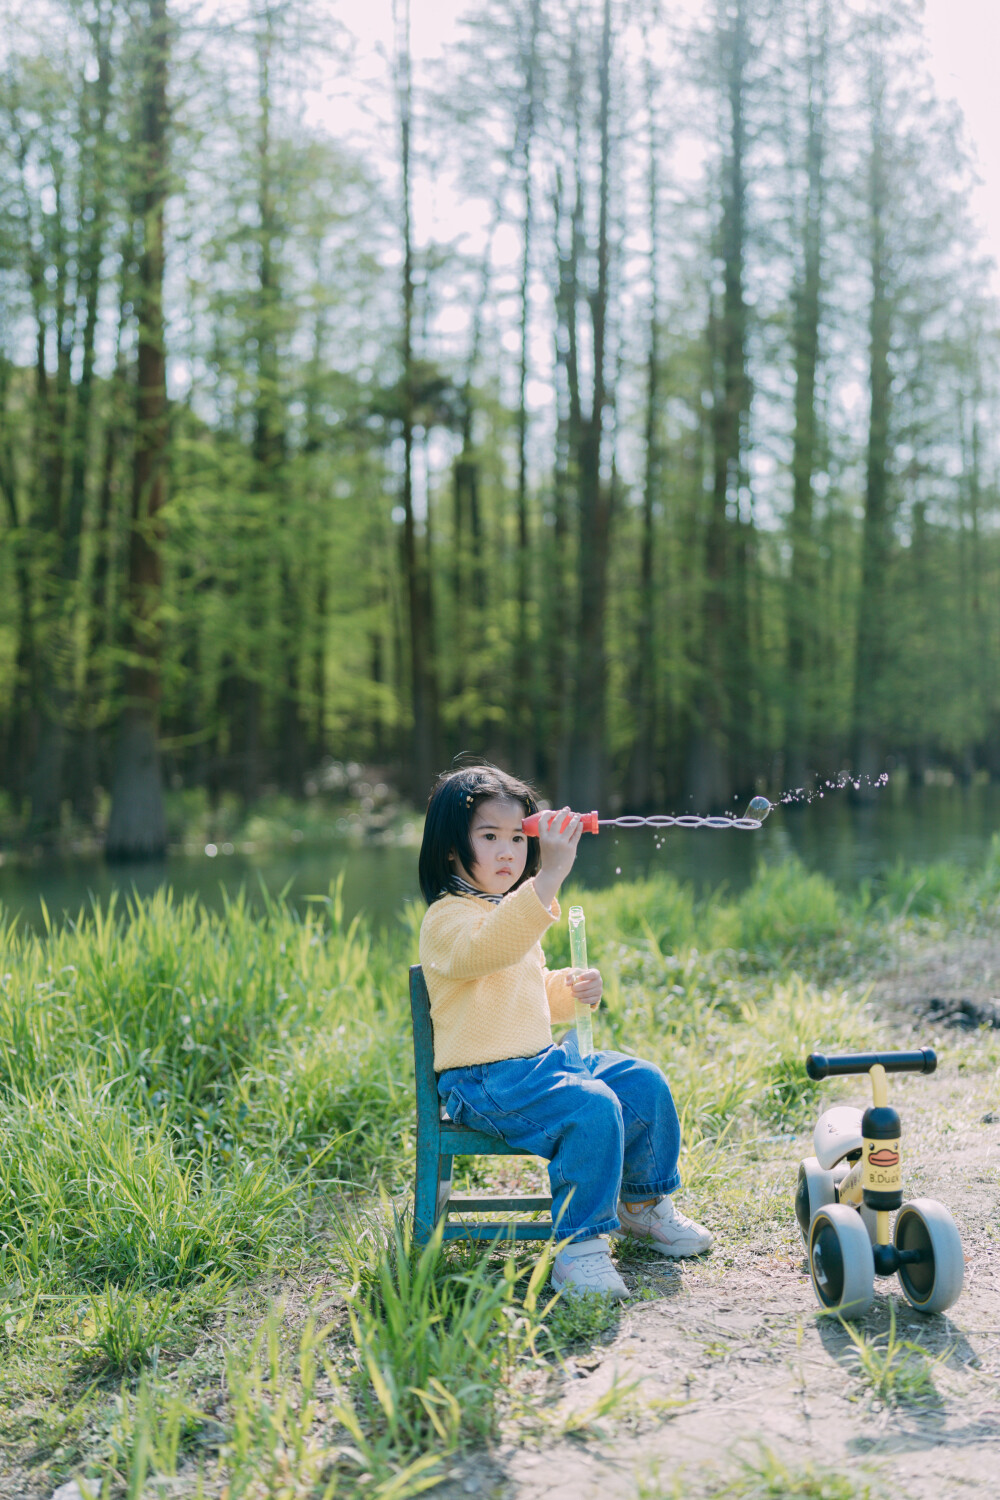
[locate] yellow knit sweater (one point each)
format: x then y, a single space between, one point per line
491 994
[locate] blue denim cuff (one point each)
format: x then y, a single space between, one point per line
636 1190
606 1226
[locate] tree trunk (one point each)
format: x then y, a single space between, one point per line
82 771
524 699
424 755
271 441
871 654
45 729
18 745
558 604
718 743
801 649
54 689
977 661
137 825
596 499
103 606
89 282
645 675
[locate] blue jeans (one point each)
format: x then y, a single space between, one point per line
606 1124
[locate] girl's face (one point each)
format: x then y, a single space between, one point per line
499 847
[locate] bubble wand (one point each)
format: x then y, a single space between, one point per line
593 822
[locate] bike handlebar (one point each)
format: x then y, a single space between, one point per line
818 1066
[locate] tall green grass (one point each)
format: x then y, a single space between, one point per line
177 1084
174 1082
189 1100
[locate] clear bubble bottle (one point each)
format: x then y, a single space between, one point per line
578 958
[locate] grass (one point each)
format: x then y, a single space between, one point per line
769 1477
436 1339
766 1476
207 1140
894 1371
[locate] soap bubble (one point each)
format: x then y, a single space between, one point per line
759 808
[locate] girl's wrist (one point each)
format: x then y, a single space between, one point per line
546 889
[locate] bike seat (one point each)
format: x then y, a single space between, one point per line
838 1132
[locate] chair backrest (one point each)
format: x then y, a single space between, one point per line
423 1047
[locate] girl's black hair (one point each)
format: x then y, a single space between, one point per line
453 800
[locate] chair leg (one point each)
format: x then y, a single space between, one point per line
445 1165
425 1192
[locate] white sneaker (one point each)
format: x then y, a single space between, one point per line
672 1233
585 1266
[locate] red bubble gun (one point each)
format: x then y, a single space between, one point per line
753 818
530 825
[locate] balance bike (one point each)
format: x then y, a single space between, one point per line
846 1192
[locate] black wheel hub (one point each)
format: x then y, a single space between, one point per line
827 1262
802 1203
917 1270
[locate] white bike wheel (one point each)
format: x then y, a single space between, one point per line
935 1282
814 1189
841 1263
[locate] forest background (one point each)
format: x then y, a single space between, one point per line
665 462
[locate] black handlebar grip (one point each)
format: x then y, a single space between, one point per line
818 1066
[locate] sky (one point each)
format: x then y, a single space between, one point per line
963 38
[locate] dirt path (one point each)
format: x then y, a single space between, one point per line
758 1380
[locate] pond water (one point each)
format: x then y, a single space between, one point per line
848 843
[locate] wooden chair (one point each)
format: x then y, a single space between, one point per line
439 1141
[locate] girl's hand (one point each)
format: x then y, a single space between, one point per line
587 985
558 850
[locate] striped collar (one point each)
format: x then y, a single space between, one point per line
459 887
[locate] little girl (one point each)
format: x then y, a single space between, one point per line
606 1123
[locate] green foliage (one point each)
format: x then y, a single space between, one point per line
731 1034
436 1343
161 1145
151 1431
162 1086
663 910
923 890
281 1443
786 911
770 1477
88 1187
128 1329
283 599
572 1321
895 1371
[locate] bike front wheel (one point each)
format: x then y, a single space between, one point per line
841 1262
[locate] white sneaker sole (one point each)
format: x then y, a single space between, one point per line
674 1252
671 1252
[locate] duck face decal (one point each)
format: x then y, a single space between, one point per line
882 1169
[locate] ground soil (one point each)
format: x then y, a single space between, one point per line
736 1376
